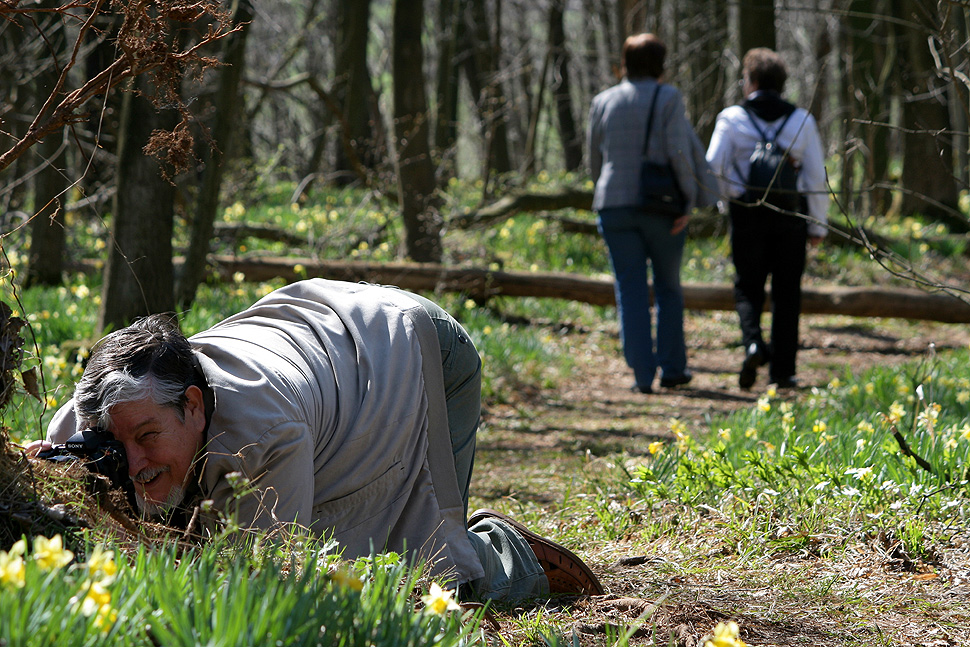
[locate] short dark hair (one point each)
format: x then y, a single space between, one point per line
643 56
151 358
764 68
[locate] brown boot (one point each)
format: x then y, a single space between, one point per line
566 573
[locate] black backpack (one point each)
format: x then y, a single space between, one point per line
773 178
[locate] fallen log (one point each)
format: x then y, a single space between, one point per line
234 232
482 284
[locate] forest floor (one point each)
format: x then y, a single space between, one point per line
541 448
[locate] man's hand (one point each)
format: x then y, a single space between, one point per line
35 447
679 225
815 241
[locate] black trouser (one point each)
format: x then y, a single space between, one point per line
766 242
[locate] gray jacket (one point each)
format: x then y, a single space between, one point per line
321 401
615 134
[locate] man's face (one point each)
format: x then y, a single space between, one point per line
161 448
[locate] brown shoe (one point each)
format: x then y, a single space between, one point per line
566 572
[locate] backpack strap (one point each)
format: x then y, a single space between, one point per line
763 134
761 131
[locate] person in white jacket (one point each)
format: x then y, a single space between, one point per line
766 239
344 408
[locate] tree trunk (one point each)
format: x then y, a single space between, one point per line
47 236
46 259
709 75
570 136
415 170
353 88
15 98
446 117
869 59
138 277
631 18
215 155
99 136
928 178
756 25
481 71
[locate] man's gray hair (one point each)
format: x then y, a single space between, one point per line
150 359
121 387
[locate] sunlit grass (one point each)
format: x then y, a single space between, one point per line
805 474
796 468
219 596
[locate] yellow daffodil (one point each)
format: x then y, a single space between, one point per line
96 595
438 601
96 602
764 404
655 447
50 553
678 428
107 616
101 565
726 635
12 569
344 578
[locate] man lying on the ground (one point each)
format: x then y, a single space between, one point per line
347 408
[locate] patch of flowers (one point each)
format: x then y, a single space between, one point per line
303 595
893 441
50 561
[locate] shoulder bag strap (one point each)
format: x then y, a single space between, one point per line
653 109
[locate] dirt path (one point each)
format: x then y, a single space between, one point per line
541 450
594 413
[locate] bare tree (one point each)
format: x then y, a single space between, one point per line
138 277
569 134
352 89
446 92
226 106
928 177
484 80
51 180
756 24
415 169
140 50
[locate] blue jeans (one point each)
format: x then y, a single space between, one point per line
635 240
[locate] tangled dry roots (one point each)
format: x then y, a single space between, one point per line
22 510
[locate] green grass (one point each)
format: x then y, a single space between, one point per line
218 597
812 476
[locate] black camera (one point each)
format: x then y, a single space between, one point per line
100 453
